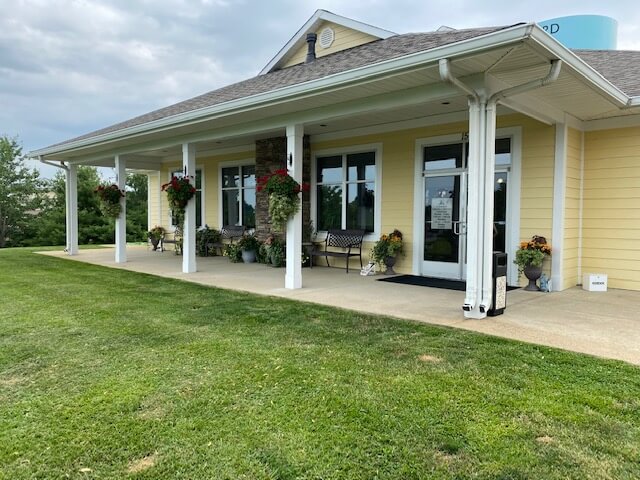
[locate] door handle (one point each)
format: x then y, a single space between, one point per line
459 228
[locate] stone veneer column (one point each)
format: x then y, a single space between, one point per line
271 155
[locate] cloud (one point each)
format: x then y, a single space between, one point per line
68 67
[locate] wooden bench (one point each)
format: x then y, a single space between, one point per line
229 233
346 240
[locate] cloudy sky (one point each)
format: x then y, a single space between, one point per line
72 66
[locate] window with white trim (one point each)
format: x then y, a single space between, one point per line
239 195
346 191
197 196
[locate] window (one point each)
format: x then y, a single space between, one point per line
197 196
239 195
346 191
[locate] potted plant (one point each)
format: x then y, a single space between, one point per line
110 196
156 234
284 201
233 252
529 258
205 239
275 253
249 245
179 192
386 249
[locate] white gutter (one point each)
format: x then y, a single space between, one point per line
388 67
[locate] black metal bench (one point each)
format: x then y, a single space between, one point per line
229 233
346 240
174 237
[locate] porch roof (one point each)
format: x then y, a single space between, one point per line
363 55
400 67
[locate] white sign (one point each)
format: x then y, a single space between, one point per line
441 213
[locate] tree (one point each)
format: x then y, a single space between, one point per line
20 194
93 226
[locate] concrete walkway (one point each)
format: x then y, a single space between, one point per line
602 324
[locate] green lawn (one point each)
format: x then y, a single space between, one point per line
109 374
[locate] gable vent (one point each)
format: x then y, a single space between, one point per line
326 37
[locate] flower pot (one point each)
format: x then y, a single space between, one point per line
389 262
533 274
248 256
154 242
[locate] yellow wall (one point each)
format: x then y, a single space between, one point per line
570 267
398 160
155 216
210 166
611 213
343 38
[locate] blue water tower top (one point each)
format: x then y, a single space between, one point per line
594 32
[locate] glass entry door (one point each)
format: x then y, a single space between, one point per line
445 206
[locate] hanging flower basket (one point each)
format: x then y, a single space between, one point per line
109 196
179 192
284 201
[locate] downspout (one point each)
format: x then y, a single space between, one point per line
475 117
486 142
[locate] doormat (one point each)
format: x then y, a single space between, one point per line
430 282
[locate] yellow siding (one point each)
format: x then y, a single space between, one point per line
611 217
210 166
570 270
398 160
154 200
343 38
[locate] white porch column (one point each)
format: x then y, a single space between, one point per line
487 216
559 194
189 233
71 197
293 277
121 221
474 219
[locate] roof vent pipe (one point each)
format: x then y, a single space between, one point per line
311 43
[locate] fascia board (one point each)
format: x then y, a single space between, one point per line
338 80
570 59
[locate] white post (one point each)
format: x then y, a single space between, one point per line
474 220
71 187
189 233
121 221
293 277
559 202
487 216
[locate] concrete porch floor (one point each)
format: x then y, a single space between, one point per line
603 324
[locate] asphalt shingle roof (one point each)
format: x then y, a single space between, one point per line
620 67
367 54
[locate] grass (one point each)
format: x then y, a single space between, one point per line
113 374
